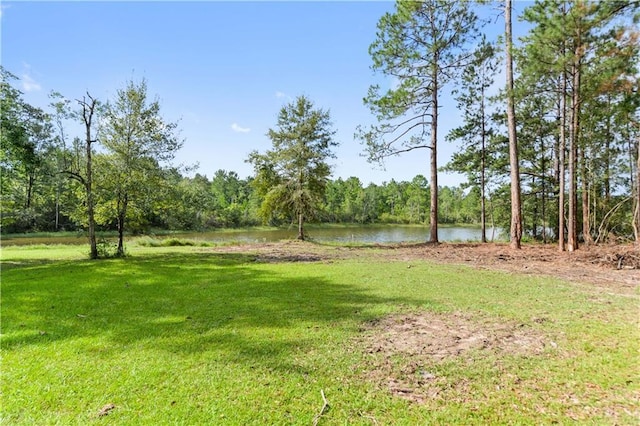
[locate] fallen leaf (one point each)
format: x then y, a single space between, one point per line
105 410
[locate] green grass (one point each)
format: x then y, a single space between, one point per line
182 335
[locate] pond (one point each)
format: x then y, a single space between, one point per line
367 234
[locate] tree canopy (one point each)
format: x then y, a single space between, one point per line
294 173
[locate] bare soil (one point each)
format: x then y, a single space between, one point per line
422 340
615 267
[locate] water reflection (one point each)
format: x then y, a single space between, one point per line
369 234
350 234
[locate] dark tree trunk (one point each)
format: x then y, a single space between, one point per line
30 182
122 215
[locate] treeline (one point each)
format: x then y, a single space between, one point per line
559 142
228 201
554 155
41 198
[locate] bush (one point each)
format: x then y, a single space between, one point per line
106 249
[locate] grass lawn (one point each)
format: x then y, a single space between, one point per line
185 335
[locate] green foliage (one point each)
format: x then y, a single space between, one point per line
107 249
137 141
421 49
292 176
169 242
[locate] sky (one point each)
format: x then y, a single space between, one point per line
223 70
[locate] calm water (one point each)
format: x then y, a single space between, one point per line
357 234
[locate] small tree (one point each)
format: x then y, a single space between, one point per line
476 131
292 176
137 140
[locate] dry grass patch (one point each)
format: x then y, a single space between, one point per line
406 349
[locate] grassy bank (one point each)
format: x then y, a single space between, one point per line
190 336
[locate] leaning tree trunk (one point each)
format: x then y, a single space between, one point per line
516 210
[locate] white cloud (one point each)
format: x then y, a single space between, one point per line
29 84
281 95
237 128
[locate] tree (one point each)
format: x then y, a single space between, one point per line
420 46
295 170
137 140
88 105
516 209
580 54
26 137
472 97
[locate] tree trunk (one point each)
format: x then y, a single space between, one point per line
607 155
300 227
29 191
544 195
57 205
561 161
483 159
433 214
88 110
586 208
516 215
93 253
572 237
122 214
636 221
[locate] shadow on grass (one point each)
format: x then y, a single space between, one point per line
181 303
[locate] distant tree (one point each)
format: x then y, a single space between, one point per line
137 140
294 173
422 47
476 131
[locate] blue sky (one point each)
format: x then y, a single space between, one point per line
224 69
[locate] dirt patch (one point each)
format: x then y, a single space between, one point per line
288 251
615 267
609 267
405 348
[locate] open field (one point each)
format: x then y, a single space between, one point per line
257 334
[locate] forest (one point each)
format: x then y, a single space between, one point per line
552 155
